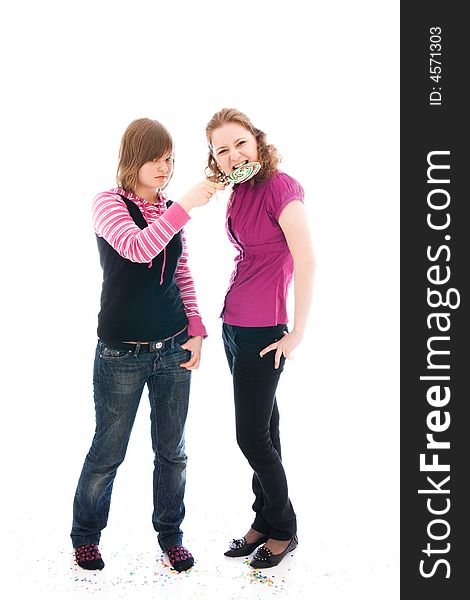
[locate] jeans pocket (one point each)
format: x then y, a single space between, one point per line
179 343
113 354
186 354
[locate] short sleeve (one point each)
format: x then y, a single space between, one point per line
283 189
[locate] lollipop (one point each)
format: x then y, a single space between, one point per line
245 172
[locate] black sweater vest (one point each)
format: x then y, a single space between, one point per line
134 305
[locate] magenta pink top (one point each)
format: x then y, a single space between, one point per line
257 293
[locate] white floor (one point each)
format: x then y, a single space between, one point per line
325 566
342 470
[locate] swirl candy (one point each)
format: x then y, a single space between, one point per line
245 172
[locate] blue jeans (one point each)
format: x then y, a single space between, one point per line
118 381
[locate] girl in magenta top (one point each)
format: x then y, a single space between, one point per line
263 268
267 224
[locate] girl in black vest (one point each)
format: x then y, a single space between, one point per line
150 333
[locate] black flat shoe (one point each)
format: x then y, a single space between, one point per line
264 558
242 548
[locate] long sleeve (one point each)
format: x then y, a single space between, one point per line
185 283
113 222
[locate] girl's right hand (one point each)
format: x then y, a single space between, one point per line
200 194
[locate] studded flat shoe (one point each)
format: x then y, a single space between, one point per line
264 558
241 547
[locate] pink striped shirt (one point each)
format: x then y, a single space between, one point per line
112 221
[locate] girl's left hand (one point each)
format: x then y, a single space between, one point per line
283 347
194 345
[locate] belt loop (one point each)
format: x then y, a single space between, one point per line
137 348
172 342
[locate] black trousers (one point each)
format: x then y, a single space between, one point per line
257 424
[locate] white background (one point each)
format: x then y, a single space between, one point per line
321 78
